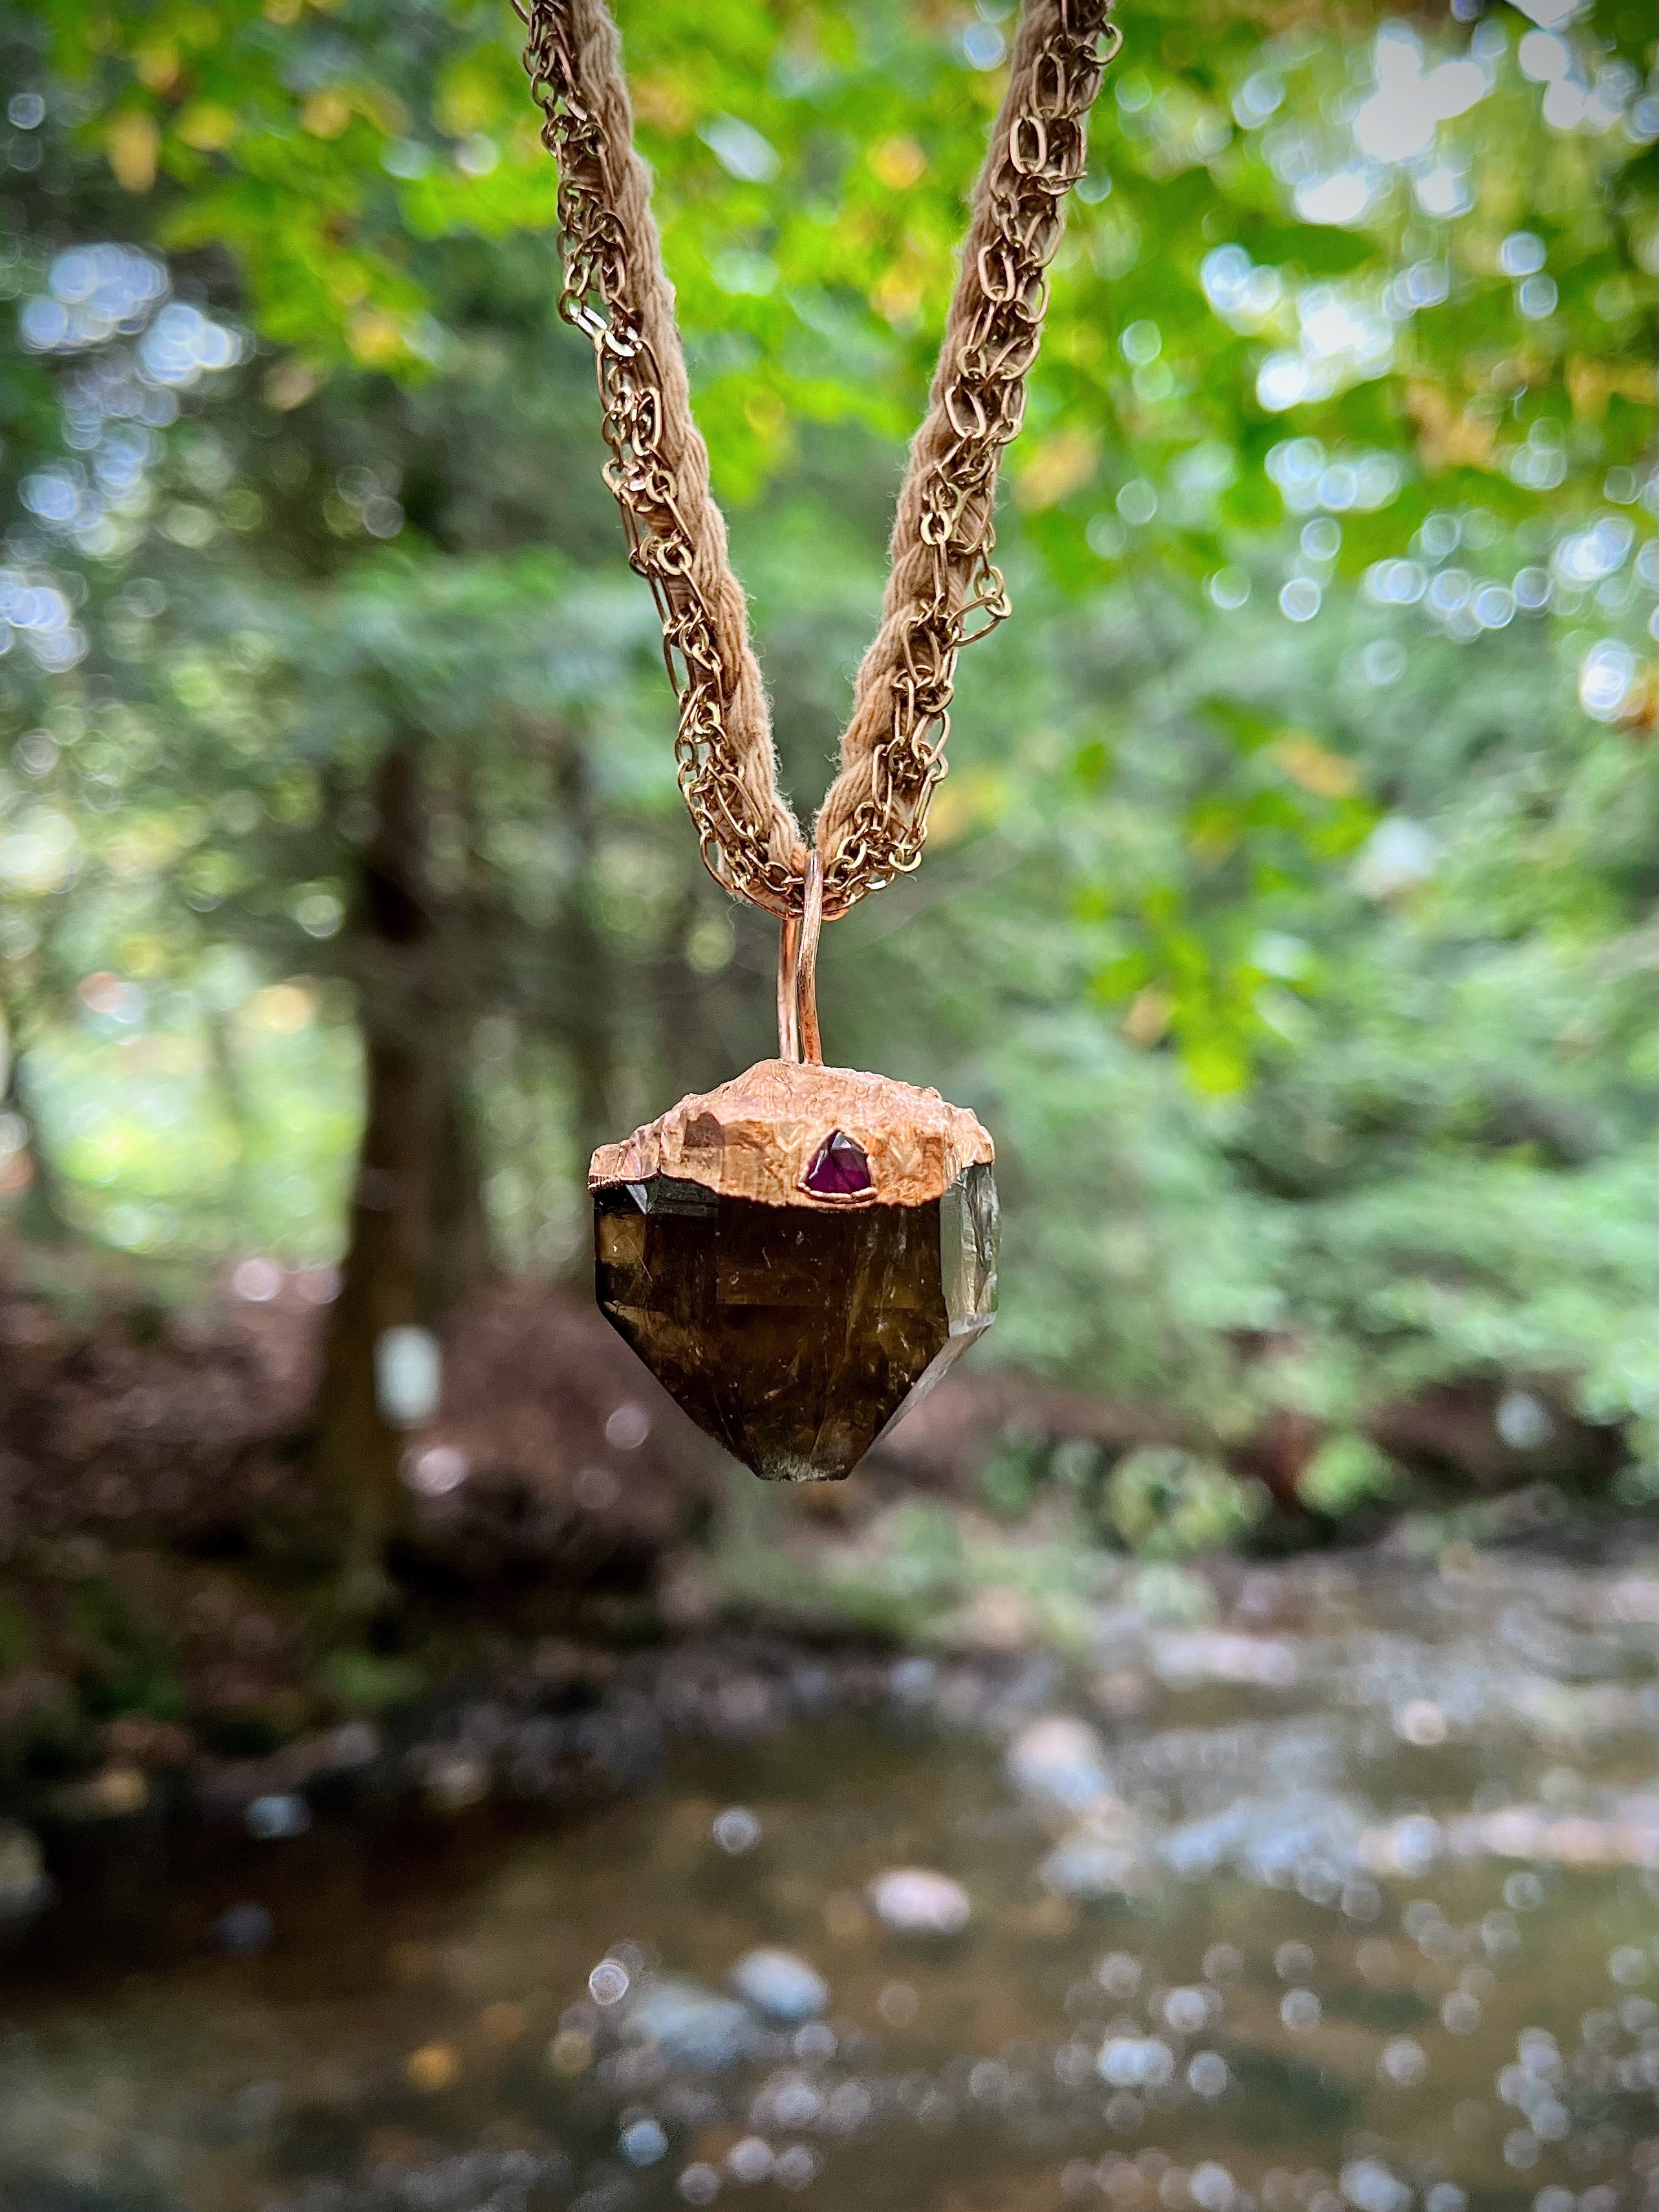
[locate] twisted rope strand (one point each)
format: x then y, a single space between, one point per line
617 291
944 590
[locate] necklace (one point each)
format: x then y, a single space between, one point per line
801 1254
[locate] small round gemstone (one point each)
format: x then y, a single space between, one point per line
839 1169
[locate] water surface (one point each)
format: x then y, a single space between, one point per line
1347 1902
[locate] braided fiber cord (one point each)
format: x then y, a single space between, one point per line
944 590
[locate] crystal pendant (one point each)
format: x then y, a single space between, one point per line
798 1257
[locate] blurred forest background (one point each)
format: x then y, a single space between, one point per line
1288 911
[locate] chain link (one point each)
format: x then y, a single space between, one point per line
995 330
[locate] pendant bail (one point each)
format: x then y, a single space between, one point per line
798 967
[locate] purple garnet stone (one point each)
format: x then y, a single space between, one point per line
841 1169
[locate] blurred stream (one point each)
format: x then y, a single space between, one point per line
1331 1887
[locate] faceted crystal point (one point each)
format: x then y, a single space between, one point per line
797 1256
797 1334
839 1169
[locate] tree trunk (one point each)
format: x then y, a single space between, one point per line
37 1215
588 1000
233 1095
416 1243
459 1259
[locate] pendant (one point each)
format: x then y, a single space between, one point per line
799 1256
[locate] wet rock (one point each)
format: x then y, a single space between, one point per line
1058 1764
1135 2061
915 1901
691 2025
243 1929
1273 1841
277 1817
781 1985
24 1887
451 1776
33 2189
643 2142
1107 1854
735 1831
463 2182
1370 2183
113 1792
1185 1661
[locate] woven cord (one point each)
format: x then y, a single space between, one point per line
944 590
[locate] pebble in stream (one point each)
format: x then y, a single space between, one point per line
915 1901
779 1985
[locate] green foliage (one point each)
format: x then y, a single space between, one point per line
1345 1472
123 1660
16 1635
366 1682
1166 1504
923 1571
1014 1471
811 168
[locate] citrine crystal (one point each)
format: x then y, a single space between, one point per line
797 1335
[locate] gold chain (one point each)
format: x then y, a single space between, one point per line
979 393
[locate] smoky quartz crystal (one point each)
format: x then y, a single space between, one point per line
796 1335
